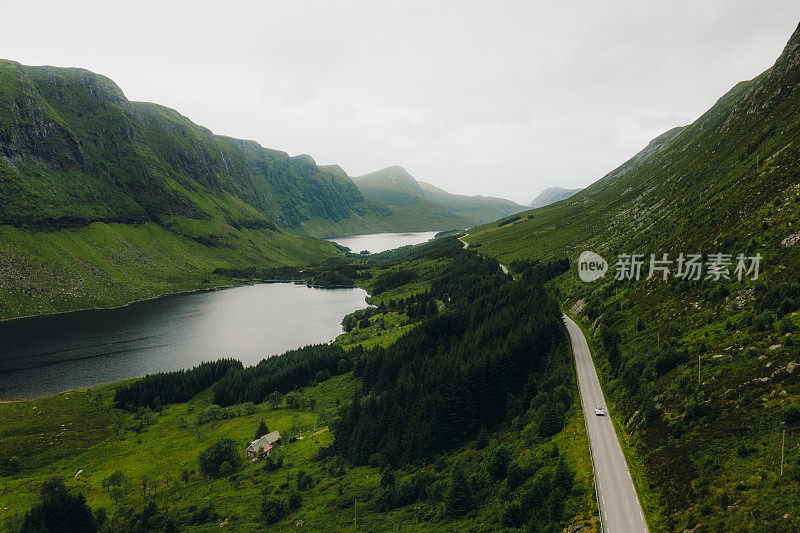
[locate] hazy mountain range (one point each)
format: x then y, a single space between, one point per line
552 195
80 164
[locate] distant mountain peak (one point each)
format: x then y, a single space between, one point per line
395 187
551 195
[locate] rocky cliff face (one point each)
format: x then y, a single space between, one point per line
74 150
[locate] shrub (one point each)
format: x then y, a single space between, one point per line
550 418
512 514
791 414
458 496
387 477
272 510
203 515
273 461
405 492
224 450
304 480
516 475
294 500
10 466
497 461
335 467
787 325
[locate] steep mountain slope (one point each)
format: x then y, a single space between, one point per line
702 374
104 201
75 150
552 195
419 205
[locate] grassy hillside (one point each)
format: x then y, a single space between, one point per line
110 264
417 206
703 373
481 209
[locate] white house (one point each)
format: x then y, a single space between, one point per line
264 443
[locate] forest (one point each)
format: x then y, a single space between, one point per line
283 373
162 388
496 344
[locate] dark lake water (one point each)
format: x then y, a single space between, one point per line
53 353
380 242
46 355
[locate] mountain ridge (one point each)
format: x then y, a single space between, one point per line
551 195
398 190
703 372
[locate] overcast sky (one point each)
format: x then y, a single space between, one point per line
500 98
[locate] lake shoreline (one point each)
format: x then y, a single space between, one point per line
30 384
126 304
115 383
381 242
26 393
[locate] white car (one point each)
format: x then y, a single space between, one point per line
600 411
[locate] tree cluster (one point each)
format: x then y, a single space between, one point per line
535 271
155 390
393 279
282 373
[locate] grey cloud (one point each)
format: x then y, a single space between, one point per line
501 98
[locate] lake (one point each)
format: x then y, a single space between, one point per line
45 355
49 354
380 242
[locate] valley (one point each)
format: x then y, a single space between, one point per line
199 333
328 472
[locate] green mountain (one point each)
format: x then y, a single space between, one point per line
701 375
552 195
76 151
482 209
419 206
104 201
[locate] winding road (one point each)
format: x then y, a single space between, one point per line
466 245
620 510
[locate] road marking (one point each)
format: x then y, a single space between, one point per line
621 501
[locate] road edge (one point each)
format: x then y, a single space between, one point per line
650 513
585 424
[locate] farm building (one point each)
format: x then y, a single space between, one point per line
264 443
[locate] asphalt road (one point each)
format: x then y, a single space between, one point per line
619 505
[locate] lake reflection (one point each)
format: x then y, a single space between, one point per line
49 354
380 242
